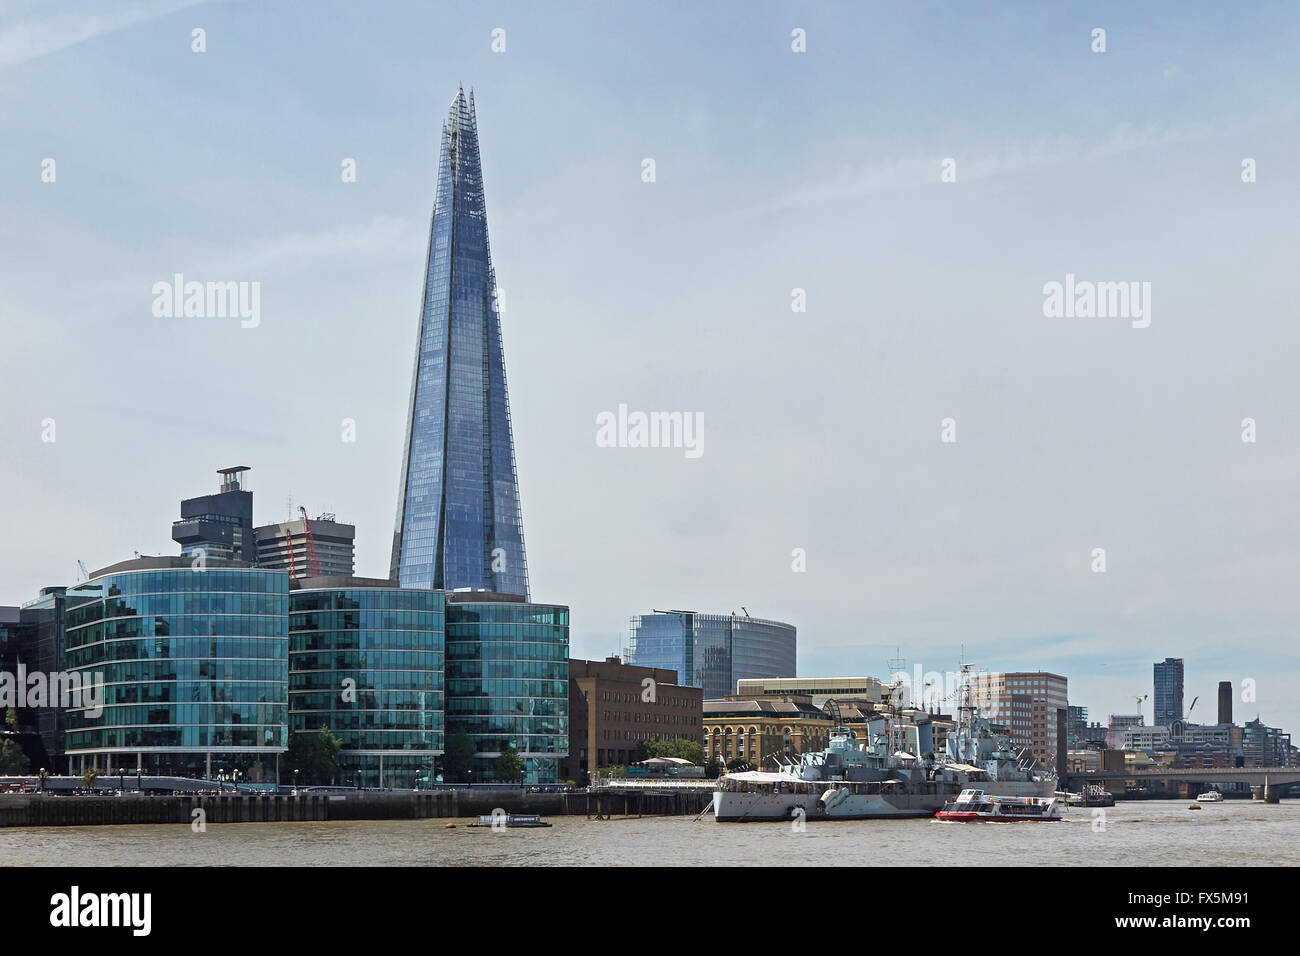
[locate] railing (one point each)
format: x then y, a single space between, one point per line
662 783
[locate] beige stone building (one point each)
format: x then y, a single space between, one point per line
755 730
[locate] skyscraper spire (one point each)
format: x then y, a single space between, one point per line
458 519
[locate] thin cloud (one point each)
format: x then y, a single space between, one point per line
983 162
31 30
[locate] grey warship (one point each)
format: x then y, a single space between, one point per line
892 773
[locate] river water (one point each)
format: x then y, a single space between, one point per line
1137 833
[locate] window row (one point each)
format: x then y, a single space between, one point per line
366 640
274 736
396 599
203 672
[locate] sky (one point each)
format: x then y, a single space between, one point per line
829 171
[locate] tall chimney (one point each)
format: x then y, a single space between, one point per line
1225 701
1061 752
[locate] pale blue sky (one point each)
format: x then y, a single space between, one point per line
776 170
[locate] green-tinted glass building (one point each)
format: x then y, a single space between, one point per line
508 681
366 660
194 658
210 669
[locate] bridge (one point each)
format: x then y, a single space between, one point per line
1271 778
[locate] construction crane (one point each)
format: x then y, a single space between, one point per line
311 544
85 575
1139 698
1193 707
288 549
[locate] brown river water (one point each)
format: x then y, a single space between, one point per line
1138 833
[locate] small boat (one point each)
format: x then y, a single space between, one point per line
973 805
1091 795
513 821
1209 796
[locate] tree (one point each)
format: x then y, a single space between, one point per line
314 756
713 768
12 759
458 757
736 764
89 777
683 747
13 762
510 766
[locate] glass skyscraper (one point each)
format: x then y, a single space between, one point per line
1168 704
458 520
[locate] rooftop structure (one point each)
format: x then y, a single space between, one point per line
220 525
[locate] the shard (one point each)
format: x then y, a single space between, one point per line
458 519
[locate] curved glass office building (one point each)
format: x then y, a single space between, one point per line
714 651
508 681
194 665
366 659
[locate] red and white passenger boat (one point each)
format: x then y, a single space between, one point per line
976 805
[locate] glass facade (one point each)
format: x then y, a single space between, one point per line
45 620
195 671
713 651
508 683
760 649
389 643
1168 703
458 518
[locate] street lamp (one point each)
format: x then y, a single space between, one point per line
295 783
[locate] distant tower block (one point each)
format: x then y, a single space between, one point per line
1168 697
1225 701
284 546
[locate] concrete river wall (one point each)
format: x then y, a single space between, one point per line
38 810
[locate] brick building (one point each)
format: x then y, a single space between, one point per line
615 707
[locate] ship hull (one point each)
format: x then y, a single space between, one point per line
881 806
729 807
741 806
991 818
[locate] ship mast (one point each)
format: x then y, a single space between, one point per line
966 711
